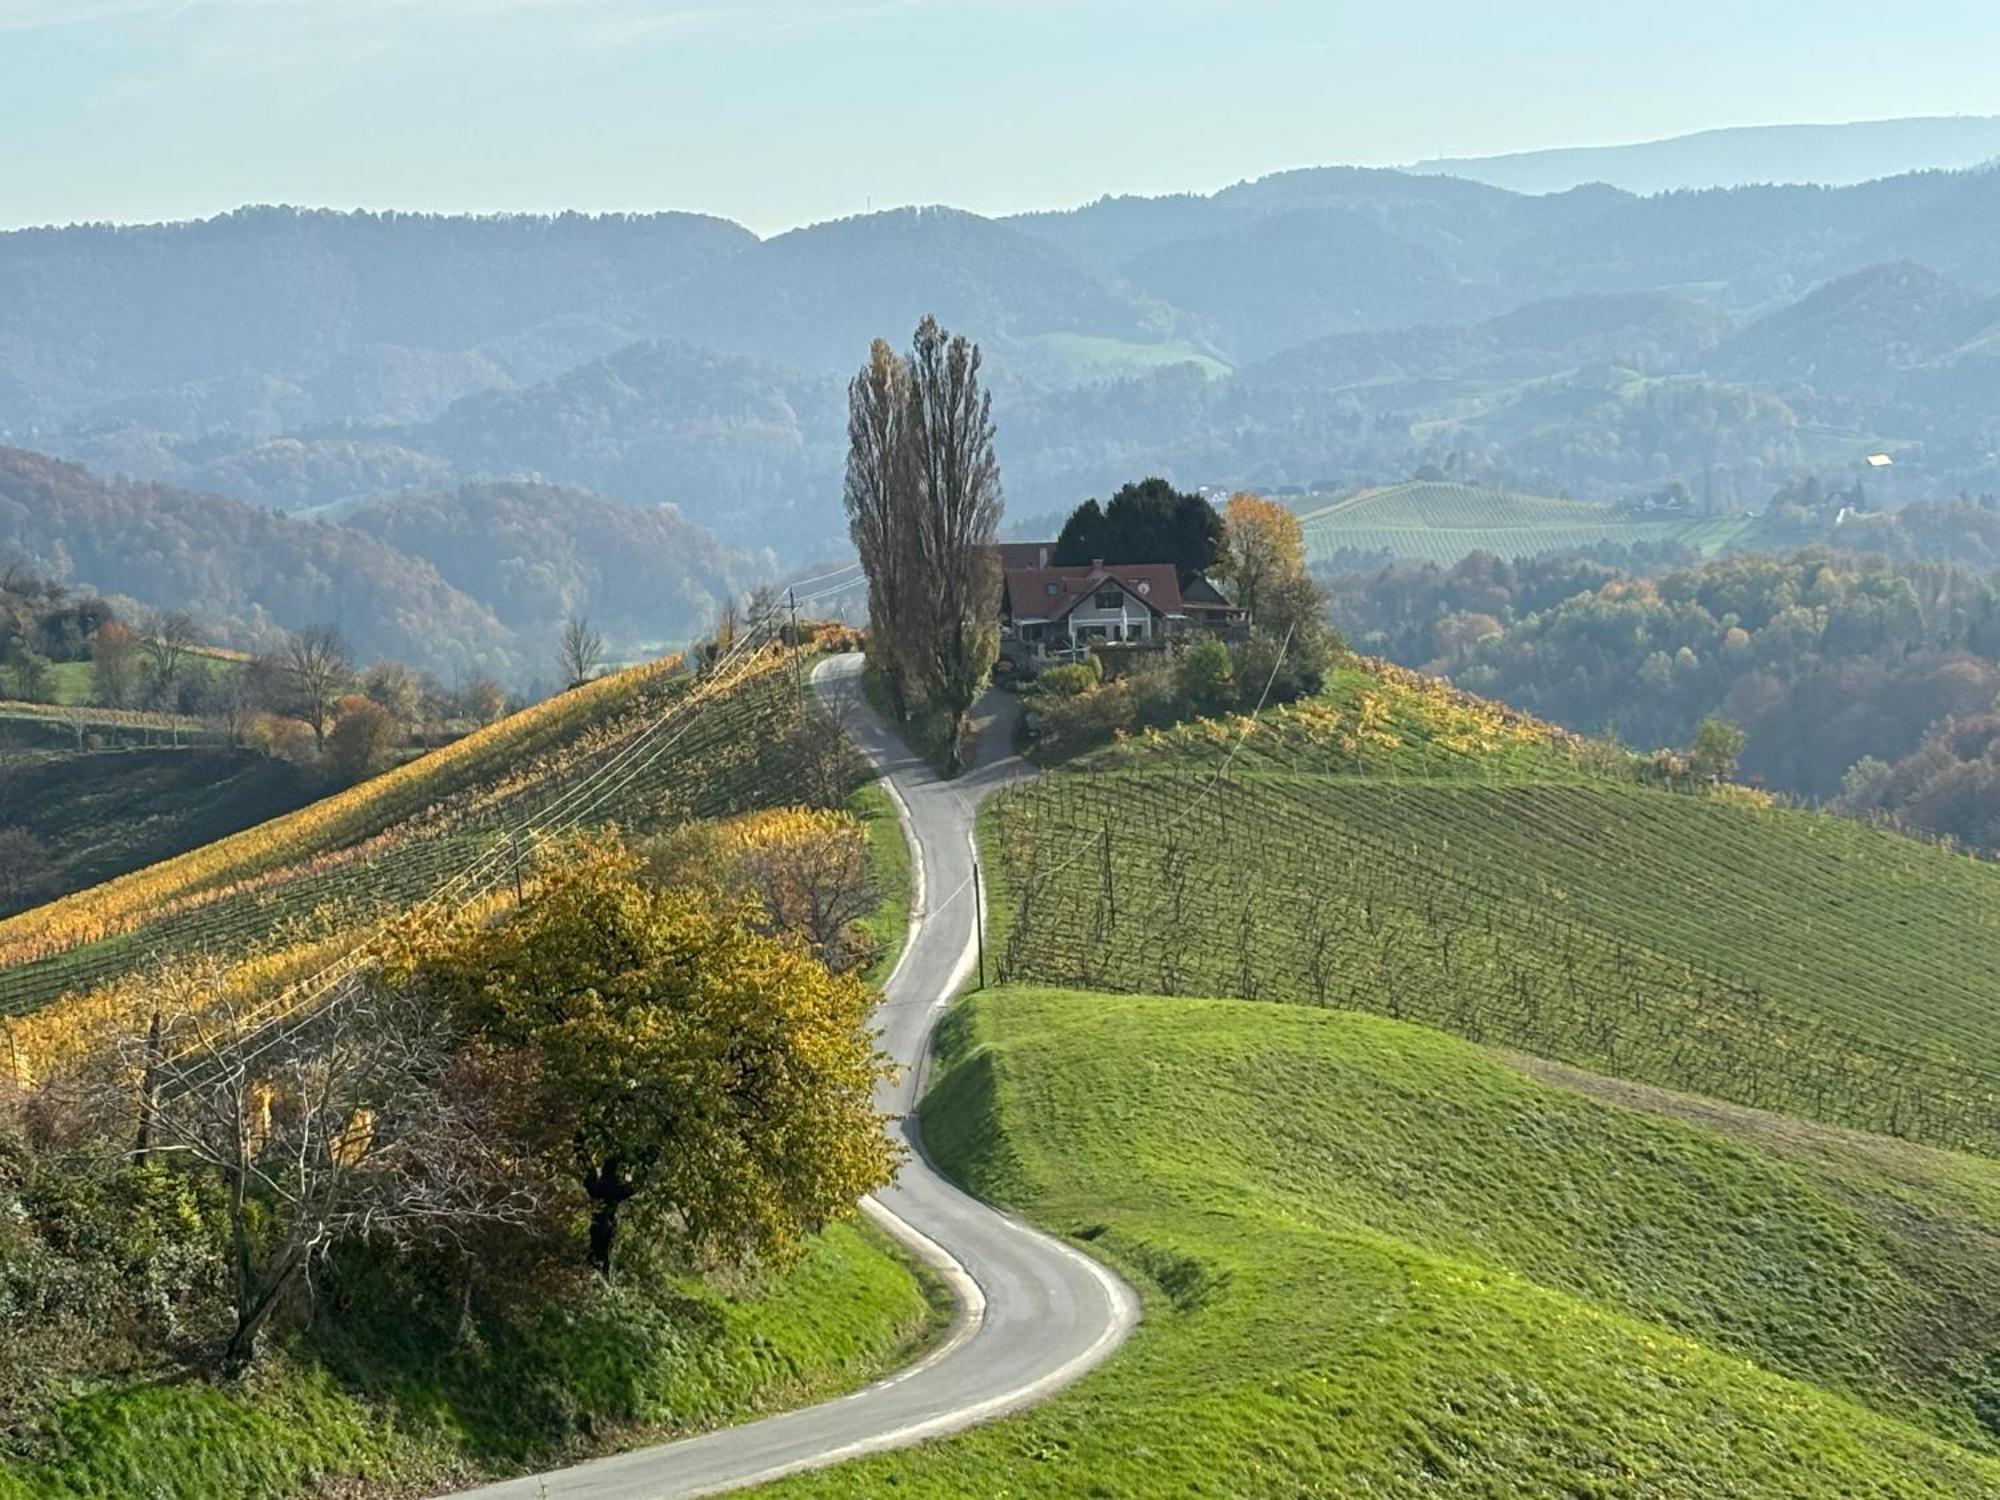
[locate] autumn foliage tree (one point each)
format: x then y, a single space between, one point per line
806 868
674 1063
363 740
1263 546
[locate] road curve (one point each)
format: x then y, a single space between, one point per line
1033 1313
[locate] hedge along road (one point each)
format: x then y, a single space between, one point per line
1033 1313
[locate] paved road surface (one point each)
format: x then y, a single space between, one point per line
1033 1313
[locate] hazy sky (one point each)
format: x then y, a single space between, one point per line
778 112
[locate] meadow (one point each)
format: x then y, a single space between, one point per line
1424 521
1376 1260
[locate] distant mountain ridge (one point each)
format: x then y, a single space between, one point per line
477 579
1334 327
1838 155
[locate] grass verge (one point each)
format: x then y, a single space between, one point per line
888 925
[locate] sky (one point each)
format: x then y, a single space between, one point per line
781 112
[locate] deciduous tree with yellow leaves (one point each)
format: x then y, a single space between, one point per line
678 1064
1263 545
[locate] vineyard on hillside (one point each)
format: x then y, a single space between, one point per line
1441 523
646 749
1776 958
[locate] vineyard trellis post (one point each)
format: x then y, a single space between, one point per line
979 919
1110 881
149 1088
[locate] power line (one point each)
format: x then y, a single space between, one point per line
292 1001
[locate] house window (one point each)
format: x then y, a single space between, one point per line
1110 598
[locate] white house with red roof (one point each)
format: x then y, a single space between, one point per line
1046 610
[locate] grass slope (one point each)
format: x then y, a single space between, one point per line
1400 849
1436 522
105 813
1378 1261
401 1404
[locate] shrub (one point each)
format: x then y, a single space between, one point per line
1094 718
1206 677
363 741
1071 679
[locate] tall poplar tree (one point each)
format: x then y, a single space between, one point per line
879 497
923 506
956 524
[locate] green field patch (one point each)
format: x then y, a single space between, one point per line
888 924
1441 523
1085 356
1776 958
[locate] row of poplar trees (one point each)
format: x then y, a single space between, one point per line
923 507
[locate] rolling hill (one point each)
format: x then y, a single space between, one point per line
648 747
1382 321
474 579
271 317
1398 848
1864 335
1377 1260
1436 522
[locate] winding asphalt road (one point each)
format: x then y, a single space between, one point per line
1033 1313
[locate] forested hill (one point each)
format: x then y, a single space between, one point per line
1333 325
1857 679
472 580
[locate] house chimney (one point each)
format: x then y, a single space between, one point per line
1097 565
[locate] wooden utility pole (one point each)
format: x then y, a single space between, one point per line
798 658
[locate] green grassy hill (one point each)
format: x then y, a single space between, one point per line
1381 1261
1397 848
1441 523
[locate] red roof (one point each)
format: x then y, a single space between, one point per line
1025 555
1051 593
